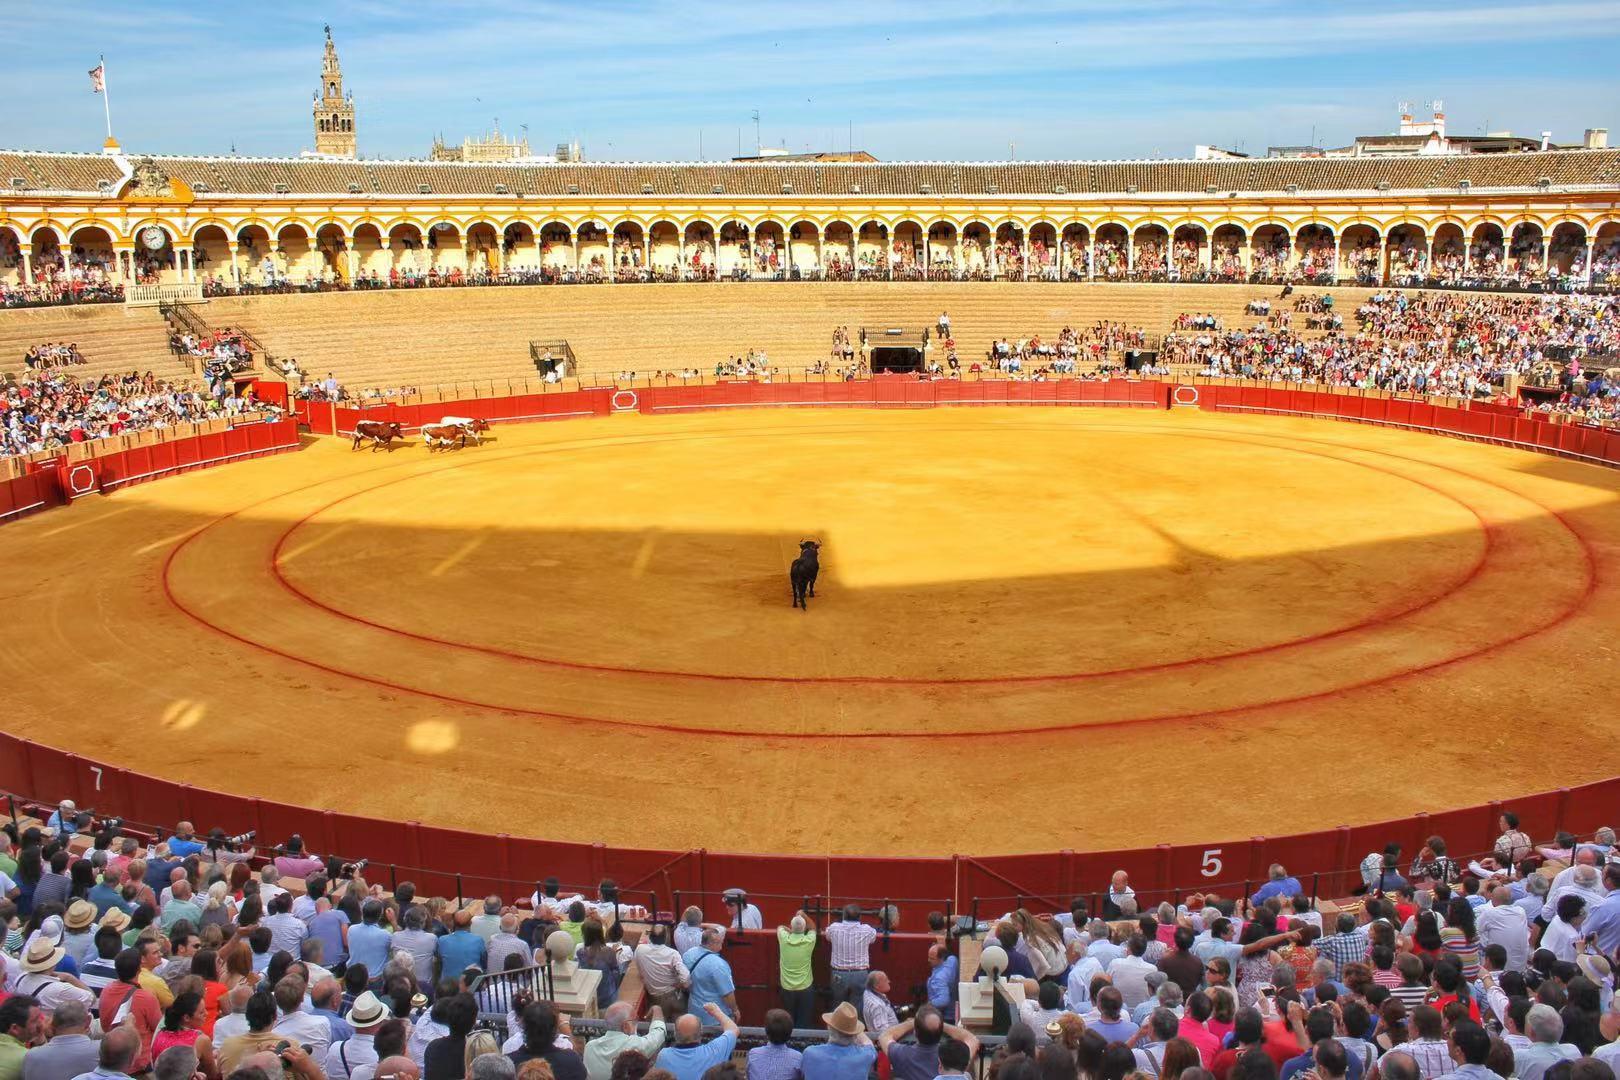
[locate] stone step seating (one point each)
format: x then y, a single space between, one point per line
112 340
429 338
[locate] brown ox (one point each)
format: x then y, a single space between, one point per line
473 428
444 436
381 433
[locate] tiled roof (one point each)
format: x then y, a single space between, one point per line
256 176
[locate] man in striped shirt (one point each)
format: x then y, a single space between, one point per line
1413 991
851 962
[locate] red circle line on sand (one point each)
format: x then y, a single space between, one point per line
1375 619
1589 565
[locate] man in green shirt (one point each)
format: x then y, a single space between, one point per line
21 1025
795 946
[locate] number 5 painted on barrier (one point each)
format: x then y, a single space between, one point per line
1212 862
97 770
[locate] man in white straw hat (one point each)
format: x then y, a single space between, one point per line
846 1055
367 1015
42 982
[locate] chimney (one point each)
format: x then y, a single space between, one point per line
1597 138
1439 121
1546 137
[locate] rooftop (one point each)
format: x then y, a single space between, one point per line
235 176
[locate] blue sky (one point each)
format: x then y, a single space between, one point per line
949 79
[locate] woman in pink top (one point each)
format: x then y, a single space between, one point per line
183 1026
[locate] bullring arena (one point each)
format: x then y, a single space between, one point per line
1136 570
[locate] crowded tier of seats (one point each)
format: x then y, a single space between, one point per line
130 952
363 346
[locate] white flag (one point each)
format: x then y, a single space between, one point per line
98 78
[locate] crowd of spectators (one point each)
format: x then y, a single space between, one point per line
1101 344
225 350
1450 345
48 411
52 355
191 956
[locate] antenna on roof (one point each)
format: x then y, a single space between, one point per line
758 146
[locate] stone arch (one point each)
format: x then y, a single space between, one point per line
211 249
629 249
943 258
1150 244
700 239
1566 247
1044 250
155 264
664 246
1189 248
1074 251
1109 257
770 250
872 249
1606 252
975 245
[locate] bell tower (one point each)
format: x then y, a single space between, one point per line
334 112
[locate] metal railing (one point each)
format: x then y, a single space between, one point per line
544 353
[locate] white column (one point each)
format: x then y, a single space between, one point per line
1130 253
354 263
1091 262
1591 248
1428 267
680 257
646 249
28 262
236 271
539 252
1211 266
1026 255
1335 258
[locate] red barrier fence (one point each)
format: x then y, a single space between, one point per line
450 862
893 392
58 481
1484 421
325 418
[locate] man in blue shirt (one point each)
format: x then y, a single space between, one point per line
106 896
368 942
847 1055
943 975
460 949
711 979
1111 1024
184 843
1279 885
690 1057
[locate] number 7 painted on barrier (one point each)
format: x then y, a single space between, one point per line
97 770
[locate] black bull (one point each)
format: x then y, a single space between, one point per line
802 574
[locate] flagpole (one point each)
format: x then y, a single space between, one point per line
106 96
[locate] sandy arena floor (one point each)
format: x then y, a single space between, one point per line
1035 628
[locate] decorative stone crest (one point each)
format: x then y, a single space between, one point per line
150 181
